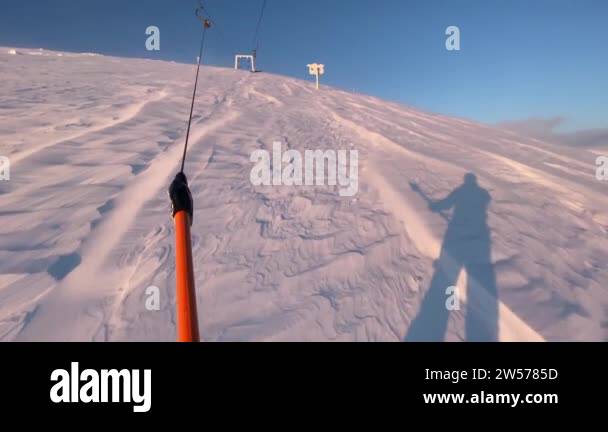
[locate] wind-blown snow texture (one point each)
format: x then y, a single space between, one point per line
85 226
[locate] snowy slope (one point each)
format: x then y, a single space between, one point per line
85 227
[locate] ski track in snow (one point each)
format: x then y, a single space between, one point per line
85 226
129 114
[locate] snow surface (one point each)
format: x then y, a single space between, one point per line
85 227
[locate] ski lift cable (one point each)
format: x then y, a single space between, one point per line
206 24
255 42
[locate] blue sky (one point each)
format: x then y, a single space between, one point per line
519 59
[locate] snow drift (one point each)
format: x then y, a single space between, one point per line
85 228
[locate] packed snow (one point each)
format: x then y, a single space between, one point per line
518 225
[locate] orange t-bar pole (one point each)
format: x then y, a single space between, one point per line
185 296
187 318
